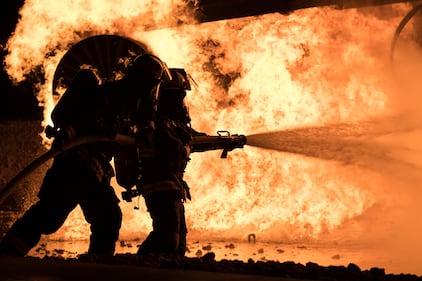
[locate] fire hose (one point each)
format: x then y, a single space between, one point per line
7 190
200 143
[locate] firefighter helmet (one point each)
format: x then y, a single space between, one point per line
150 67
171 100
179 80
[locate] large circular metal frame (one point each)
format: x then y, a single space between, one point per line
400 28
107 54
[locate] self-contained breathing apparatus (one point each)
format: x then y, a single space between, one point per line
124 107
130 162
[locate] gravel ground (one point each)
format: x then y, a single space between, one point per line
288 270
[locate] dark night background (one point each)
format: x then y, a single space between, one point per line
16 101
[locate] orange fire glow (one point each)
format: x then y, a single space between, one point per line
314 67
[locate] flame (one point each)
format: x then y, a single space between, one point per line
273 72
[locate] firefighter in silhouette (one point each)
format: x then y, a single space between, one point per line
81 175
161 182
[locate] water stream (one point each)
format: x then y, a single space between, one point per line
383 146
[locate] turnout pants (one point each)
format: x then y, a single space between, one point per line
169 226
68 183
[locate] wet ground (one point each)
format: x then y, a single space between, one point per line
54 260
325 255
